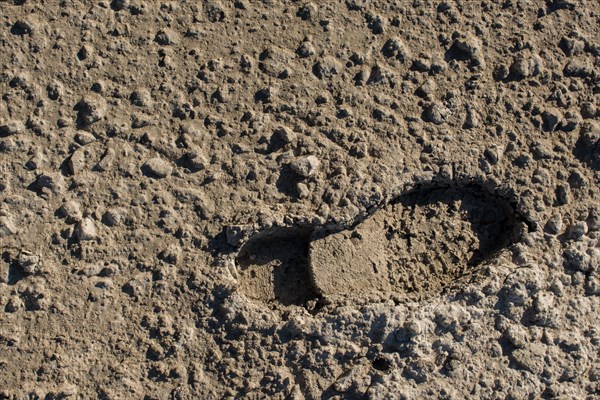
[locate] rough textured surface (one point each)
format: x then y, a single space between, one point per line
165 169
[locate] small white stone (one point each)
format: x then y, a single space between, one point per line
285 134
517 336
29 262
107 160
86 230
578 230
84 137
196 160
71 211
157 168
7 225
306 166
303 191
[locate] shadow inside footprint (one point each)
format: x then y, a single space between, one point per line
489 219
273 267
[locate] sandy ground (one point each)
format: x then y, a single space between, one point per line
300 200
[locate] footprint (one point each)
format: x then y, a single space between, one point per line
416 245
413 247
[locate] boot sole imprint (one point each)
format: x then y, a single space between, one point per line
412 247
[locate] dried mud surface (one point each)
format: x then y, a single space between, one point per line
299 200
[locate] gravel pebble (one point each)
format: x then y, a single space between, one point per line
588 110
578 230
305 166
107 160
473 119
592 285
90 109
71 211
235 234
83 138
554 224
517 336
85 230
195 160
576 258
29 262
166 37
436 113
266 94
427 89
112 218
157 168
393 47
551 117
141 98
85 52
284 134
563 195
14 304
302 190
54 90
119 5
307 11
467 47
327 68
593 219
571 46
579 68
526 66
52 181
306 49
7 224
